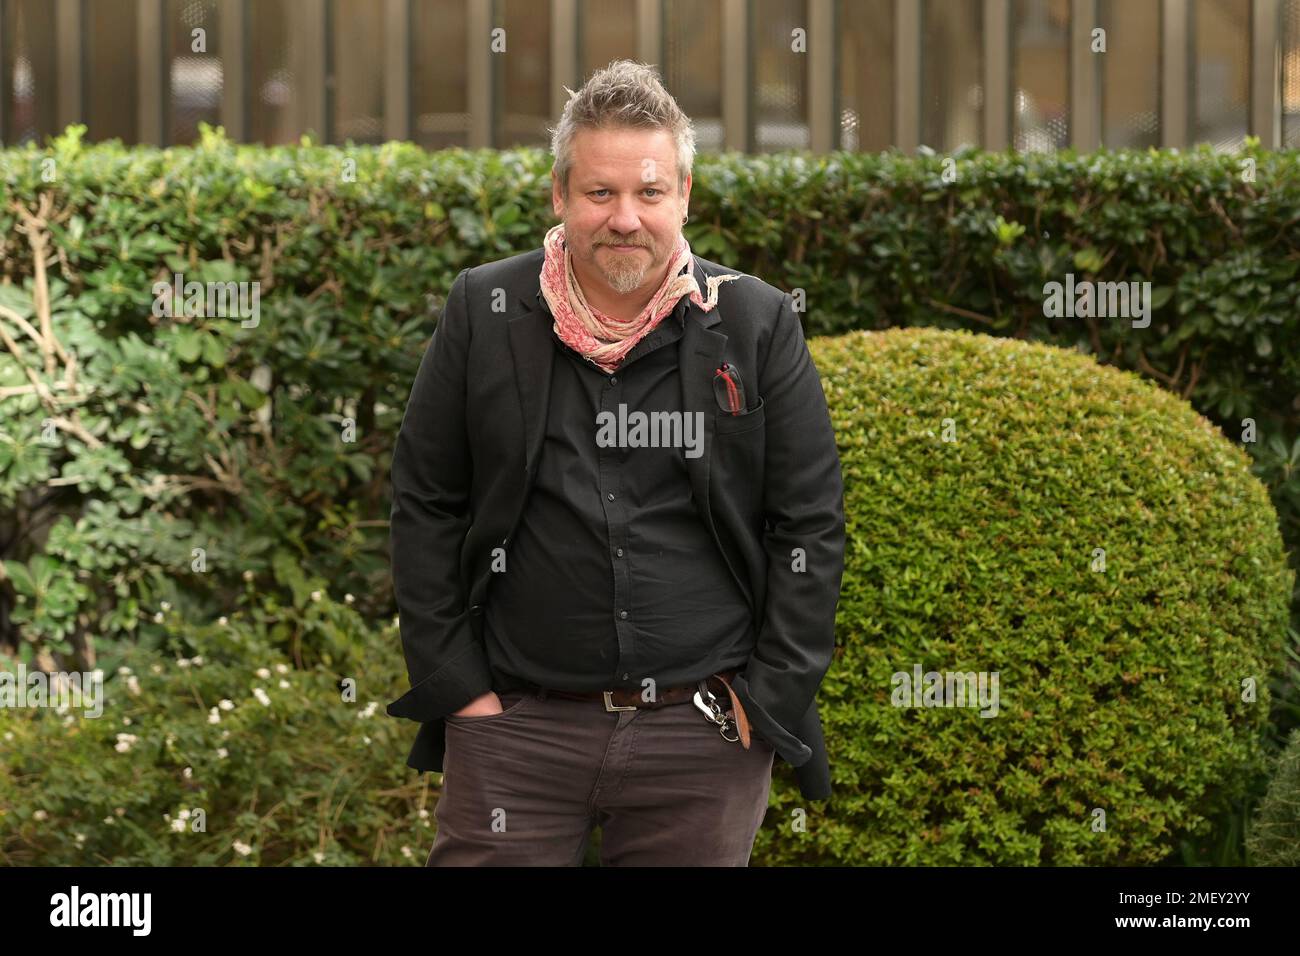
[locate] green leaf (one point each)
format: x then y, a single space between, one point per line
188 345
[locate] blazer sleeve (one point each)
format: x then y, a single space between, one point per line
803 503
431 477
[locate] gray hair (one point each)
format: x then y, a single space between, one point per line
623 94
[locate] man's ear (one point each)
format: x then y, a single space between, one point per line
557 202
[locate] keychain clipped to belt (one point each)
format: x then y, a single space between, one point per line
709 705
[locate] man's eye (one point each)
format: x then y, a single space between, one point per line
650 189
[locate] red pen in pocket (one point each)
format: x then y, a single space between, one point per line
728 389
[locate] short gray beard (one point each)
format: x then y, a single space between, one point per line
625 281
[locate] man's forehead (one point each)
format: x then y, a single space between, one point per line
627 156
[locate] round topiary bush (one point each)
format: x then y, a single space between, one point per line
1018 511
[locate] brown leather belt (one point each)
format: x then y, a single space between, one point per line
629 698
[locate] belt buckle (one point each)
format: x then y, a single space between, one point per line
611 707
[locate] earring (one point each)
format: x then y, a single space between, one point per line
685 219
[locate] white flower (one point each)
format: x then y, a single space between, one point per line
223 753
248 575
185 814
124 671
243 849
157 618
225 734
226 704
81 838
260 694
281 669
178 825
133 686
120 811
39 815
182 662
369 709
284 683
406 852
67 721
109 821
126 721
315 595
263 673
318 856
171 739
223 620
423 814
348 599
9 735
165 605
214 716
198 659
188 773
124 742
156 668
366 741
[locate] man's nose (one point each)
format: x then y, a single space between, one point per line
624 222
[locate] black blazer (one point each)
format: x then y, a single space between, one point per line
767 486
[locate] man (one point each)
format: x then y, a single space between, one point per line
630 445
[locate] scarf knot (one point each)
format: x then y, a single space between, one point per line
603 339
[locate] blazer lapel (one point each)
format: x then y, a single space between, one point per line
533 354
698 354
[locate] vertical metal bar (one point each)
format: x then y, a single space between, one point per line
1265 73
233 47
67 20
736 49
481 80
152 58
998 79
650 32
907 75
307 54
1085 77
564 52
1175 73
397 69
821 57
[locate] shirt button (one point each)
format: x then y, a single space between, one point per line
624 677
622 614
613 380
610 496
620 552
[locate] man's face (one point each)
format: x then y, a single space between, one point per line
622 192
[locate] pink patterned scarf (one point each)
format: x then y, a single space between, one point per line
601 338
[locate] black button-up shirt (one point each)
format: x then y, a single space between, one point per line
611 576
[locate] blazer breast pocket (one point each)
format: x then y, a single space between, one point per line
726 424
